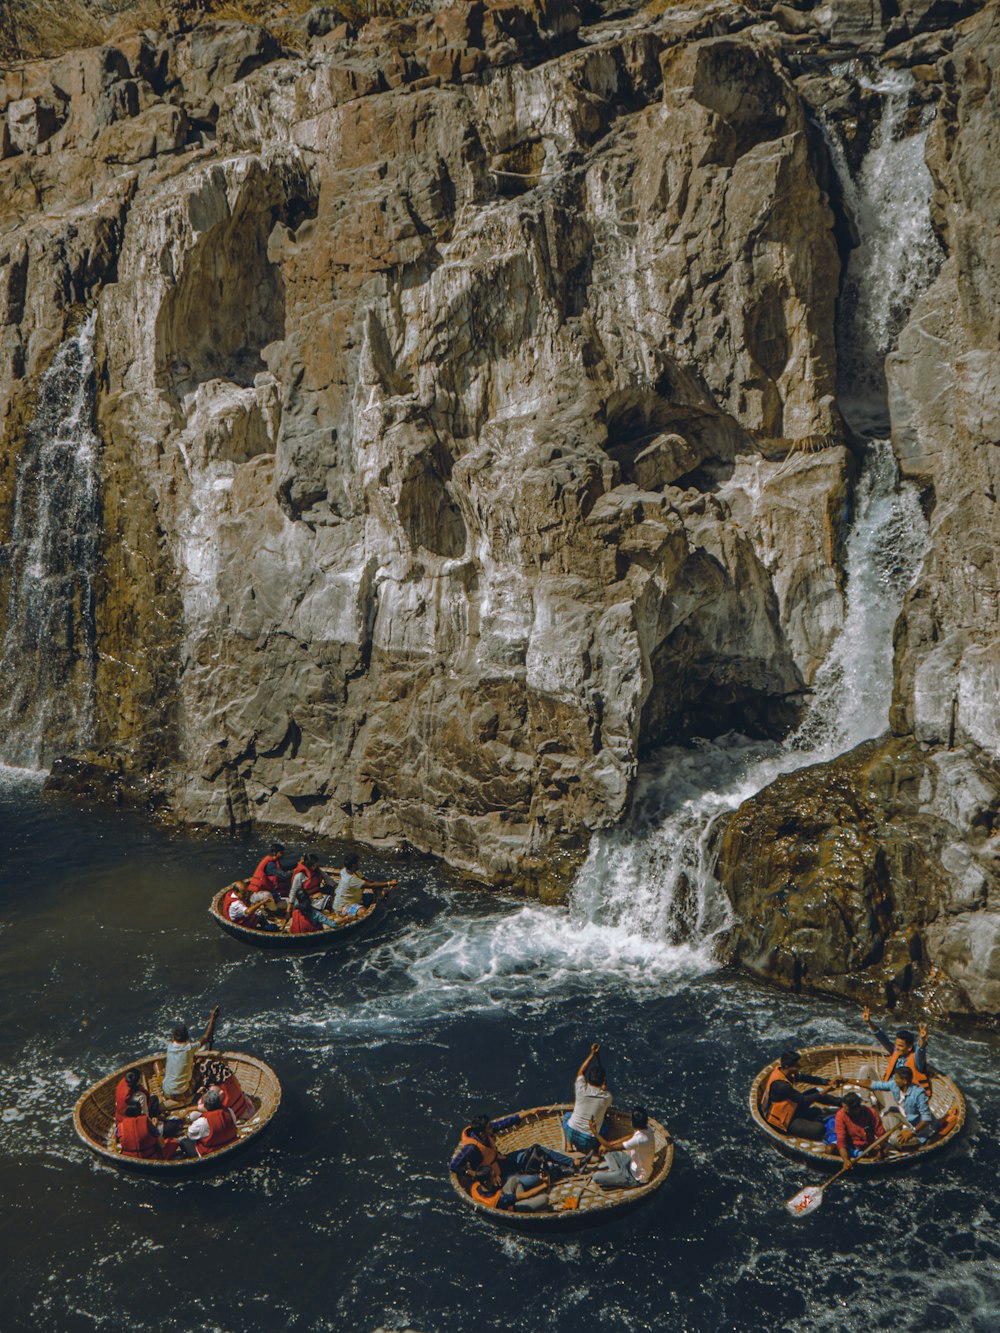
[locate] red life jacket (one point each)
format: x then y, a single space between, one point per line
250 920
135 1134
262 879
489 1149
301 925
919 1077
223 1131
779 1114
489 1196
236 1099
313 877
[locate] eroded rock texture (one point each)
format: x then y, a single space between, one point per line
467 396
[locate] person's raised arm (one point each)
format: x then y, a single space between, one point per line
591 1056
920 1050
875 1030
210 1030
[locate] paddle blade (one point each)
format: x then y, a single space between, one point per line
806 1201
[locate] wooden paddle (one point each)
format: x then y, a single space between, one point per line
809 1199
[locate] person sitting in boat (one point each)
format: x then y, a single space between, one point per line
518 1194
212 1128
790 1111
304 912
909 1114
310 876
592 1100
236 907
628 1161
139 1136
479 1156
355 895
906 1049
856 1127
270 879
219 1076
131 1086
178 1075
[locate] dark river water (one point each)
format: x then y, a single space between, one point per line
342 1216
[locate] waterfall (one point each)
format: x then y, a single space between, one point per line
654 875
47 658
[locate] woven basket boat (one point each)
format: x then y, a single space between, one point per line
594 1204
317 939
847 1062
94 1116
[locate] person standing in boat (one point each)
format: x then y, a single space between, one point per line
592 1100
856 1127
905 1049
178 1075
909 1113
355 894
270 879
628 1161
790 1111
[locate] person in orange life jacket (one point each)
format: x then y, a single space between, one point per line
792 1112
628 1161
220 1077
178 1074
356 895
236 908
479 1156
518 1194
132 1086
591 1102
138 1136
857 1127
304 912
270 879
311 876
910 1113
905 1049
213 1128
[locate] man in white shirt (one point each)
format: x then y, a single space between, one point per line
628 1161
355 894
590 1105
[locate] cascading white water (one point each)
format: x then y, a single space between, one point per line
47 657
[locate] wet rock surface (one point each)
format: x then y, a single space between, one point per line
467 392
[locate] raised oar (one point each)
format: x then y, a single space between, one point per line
809 1199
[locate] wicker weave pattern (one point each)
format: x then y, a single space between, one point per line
94 1116
847 1062
316 939
545 1127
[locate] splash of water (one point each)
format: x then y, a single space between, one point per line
47 658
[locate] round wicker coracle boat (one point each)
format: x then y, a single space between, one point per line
318 939
94 1116
576 1201
846 1062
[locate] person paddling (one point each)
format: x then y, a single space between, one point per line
592 1100
856 1127
179 1070
356 895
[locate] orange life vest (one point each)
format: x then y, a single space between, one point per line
301 925
135 1134
261 879
122 1094
489 1150
313 877
778 1114
236 1099
919 1077
489 1196
223 1131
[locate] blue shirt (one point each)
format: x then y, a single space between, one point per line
914 1102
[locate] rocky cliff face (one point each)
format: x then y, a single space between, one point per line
468 407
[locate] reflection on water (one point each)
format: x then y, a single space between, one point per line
342 1218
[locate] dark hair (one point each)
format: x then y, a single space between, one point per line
310 859
904 1072
904 1034
350 861
212 1100
180 1032
479 1124
789 1058
133 1106
851 1100
640 1117
595 1075
276 849
132 1077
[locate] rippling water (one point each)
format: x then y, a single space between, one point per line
342 1217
